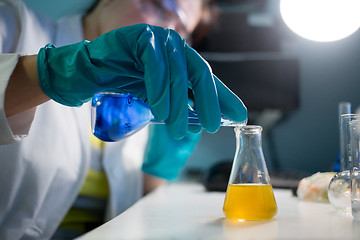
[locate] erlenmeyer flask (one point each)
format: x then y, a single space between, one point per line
119 115
115 116
249 195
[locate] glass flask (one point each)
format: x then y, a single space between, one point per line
118 115
355 168
339 186
249 194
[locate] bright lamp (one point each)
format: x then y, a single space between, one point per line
321 20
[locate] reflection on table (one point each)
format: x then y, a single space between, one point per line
188 211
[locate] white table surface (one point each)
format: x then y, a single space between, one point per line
187 211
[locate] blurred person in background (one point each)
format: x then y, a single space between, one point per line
60 175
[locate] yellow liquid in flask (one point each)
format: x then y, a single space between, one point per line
250 202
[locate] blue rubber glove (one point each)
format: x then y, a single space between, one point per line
152 63
165 156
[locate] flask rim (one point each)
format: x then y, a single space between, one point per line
251 128
114 94
350 115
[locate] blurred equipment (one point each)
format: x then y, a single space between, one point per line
216 177
244 51
263 80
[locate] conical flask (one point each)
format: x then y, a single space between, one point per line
115 116
249 194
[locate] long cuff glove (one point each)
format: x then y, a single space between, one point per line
165 156
152 63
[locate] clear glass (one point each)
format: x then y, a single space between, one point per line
355 168
115 116
249 195
339 186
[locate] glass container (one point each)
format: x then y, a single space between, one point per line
355 168
115 116
249 194
339 186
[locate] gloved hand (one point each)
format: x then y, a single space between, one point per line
165 156
152 63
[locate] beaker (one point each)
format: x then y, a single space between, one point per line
339 186
118 115
249 194
355 168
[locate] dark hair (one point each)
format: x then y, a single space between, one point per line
92 7
209 19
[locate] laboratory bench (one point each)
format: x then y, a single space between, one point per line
188 211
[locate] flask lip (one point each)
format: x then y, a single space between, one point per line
114 94
349 115
251 128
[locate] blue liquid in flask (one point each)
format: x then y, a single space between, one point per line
118 115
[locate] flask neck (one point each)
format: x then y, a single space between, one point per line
249 163
249 138
346 153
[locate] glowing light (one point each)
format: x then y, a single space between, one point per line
321 20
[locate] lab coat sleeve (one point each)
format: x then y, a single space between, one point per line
7 65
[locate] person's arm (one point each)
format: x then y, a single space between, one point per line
150 183
152 63
23 91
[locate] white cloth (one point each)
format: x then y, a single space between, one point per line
41 174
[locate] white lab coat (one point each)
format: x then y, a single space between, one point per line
41 174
